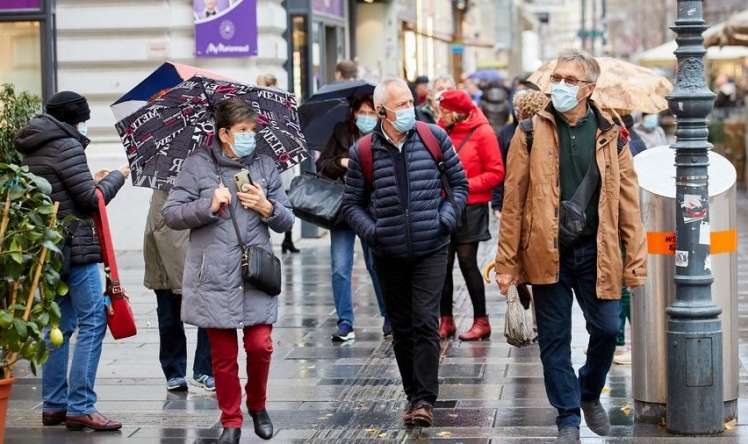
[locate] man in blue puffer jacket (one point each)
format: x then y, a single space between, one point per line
395 201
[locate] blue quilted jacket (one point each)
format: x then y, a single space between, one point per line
404 213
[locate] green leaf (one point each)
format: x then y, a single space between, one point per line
55 309
41 183
5 319
51 246
20 327
16 256
44 319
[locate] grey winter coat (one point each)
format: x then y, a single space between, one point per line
213 292
164 249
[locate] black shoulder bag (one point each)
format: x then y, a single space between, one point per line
260 268
572 213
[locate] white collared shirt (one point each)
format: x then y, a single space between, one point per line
399 146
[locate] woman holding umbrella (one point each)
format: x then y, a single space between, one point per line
214 292
333 164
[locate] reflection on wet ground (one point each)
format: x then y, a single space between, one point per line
319 391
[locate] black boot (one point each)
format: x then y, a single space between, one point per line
230 435
263 424
288 245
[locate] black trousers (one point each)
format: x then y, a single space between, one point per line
173 346
412 290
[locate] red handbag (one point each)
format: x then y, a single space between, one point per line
119 313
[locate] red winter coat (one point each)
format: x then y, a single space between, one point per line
480 156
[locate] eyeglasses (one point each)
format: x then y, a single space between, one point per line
555 78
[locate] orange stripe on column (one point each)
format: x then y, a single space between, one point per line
663 242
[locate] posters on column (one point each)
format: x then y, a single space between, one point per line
225 28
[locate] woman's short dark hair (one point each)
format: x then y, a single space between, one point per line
358 101
233 111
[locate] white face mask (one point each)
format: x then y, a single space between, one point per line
82 129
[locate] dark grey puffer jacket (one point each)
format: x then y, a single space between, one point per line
213 292
54 150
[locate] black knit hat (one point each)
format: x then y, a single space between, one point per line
69 107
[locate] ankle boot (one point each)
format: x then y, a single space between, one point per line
263 424
447 328
230 435
481 329
288 245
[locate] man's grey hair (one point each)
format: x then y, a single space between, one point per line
382 91
591 67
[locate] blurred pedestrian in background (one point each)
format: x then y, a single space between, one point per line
421 90
346 71
429 111
472 86
636 144
53 147
393 200
478 150
164 251
525 104
333 164
216 296
496 103
650 131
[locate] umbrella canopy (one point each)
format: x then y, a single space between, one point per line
486 75
621 86
165 77
733 32
159 136
318 120
343 90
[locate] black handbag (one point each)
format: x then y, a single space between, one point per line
317 199
260 268
572 213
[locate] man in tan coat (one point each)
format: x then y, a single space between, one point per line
572 164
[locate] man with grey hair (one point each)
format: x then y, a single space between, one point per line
397 177
571 203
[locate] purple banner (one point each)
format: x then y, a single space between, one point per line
332 7
20 4
225 28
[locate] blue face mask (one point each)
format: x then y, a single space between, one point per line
244 143
564 97
650 121
82 129
405 119
366 124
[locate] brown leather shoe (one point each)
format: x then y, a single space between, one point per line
53 418
481 329
94 421
447 328
408 415
423 415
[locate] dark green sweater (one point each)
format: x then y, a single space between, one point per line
576 151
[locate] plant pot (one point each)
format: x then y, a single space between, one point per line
5 386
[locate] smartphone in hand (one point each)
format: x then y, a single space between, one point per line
242 178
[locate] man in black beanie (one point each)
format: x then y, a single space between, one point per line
53 147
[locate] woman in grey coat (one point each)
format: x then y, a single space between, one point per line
214 294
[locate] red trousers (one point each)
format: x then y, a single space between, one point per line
224 354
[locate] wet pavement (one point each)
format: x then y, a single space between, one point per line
322 392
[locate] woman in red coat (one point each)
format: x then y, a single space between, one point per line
478 148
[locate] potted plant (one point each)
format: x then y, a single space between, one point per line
30 257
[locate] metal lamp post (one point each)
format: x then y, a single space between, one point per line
694 331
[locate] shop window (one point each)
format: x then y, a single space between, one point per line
20 51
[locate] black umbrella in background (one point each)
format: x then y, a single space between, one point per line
330 106
318 120
159 136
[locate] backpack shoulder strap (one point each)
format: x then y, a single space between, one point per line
623 138
527 127
366 159
424 132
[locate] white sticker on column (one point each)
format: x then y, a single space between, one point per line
705 234
681 259
708 263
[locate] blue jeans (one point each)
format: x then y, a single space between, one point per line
83 307
173 343
578 272
342 242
